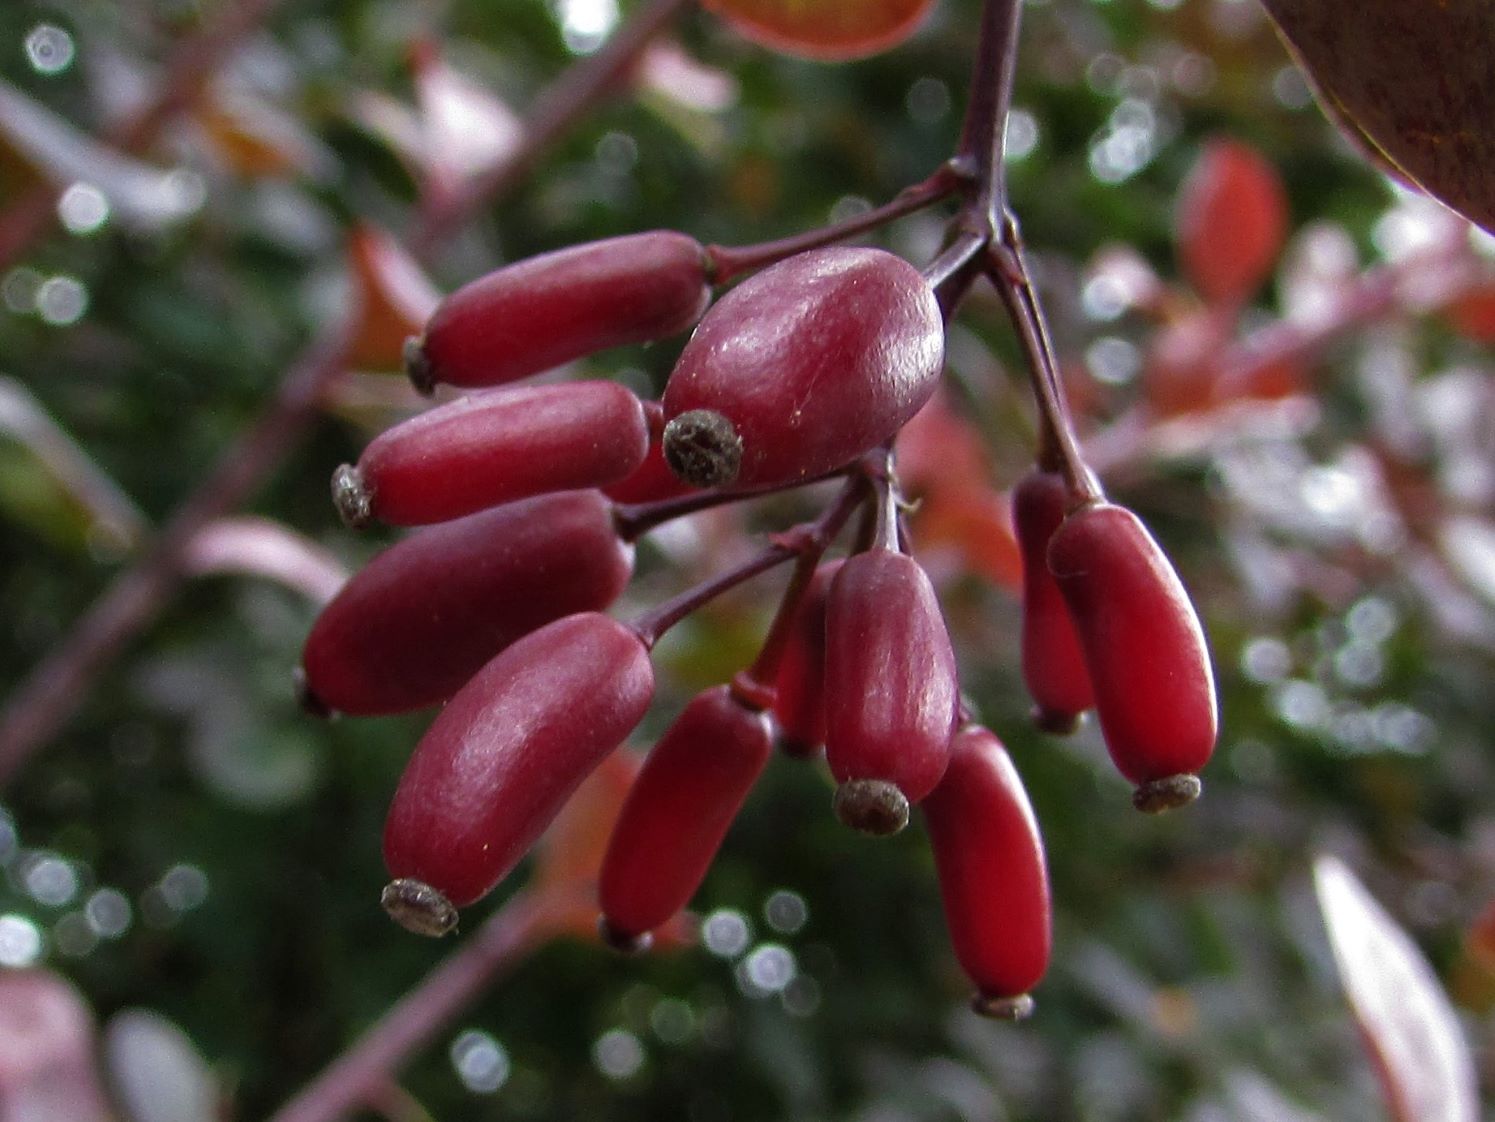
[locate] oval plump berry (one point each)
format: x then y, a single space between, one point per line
992 873
495 447
1144 649
678 811
1053 663
890 689
504 755
550 309
802 368
799 686
424 616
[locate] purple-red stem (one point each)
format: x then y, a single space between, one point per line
729 262
414 1021
791 543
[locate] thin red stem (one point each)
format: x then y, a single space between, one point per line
728 262
791 543
760 676
361 1072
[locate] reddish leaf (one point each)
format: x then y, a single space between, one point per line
824 29
1473 314
1231 222
396 296
1404 1017
1415 80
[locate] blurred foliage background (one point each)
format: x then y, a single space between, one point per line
190 844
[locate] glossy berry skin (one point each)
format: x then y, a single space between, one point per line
890 681
550 309
423 616
799 688
510 748
1053 663
495 447
809 364
992 874
1144 647
679 809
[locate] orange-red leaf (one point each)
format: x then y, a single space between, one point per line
824 29
1231 222
396 296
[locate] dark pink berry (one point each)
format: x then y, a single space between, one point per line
890 688
492 448
993 878
550 309
1053 663
678 811
802 368
1144 649
799 688
506 753
423 616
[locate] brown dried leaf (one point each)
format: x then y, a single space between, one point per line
1404 1017
1415 80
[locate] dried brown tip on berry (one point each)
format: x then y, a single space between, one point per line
621 941
352 497
873 806
1167 794
1018 1008
1055 721
418 907
306 697
418 366
703 448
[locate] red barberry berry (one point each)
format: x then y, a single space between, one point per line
1053 663
504 755
802 368
890 689
559 306
423 616
993 879
1144 649
799 687
491 448
678 812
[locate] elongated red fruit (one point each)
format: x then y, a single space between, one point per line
502 758
1144 648
1053 663
993 878
492 448
802 368
890 689
559 306
799 688
424 616
678 811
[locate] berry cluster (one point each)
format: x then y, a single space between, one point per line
531 498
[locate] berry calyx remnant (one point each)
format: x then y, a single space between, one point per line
802 368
